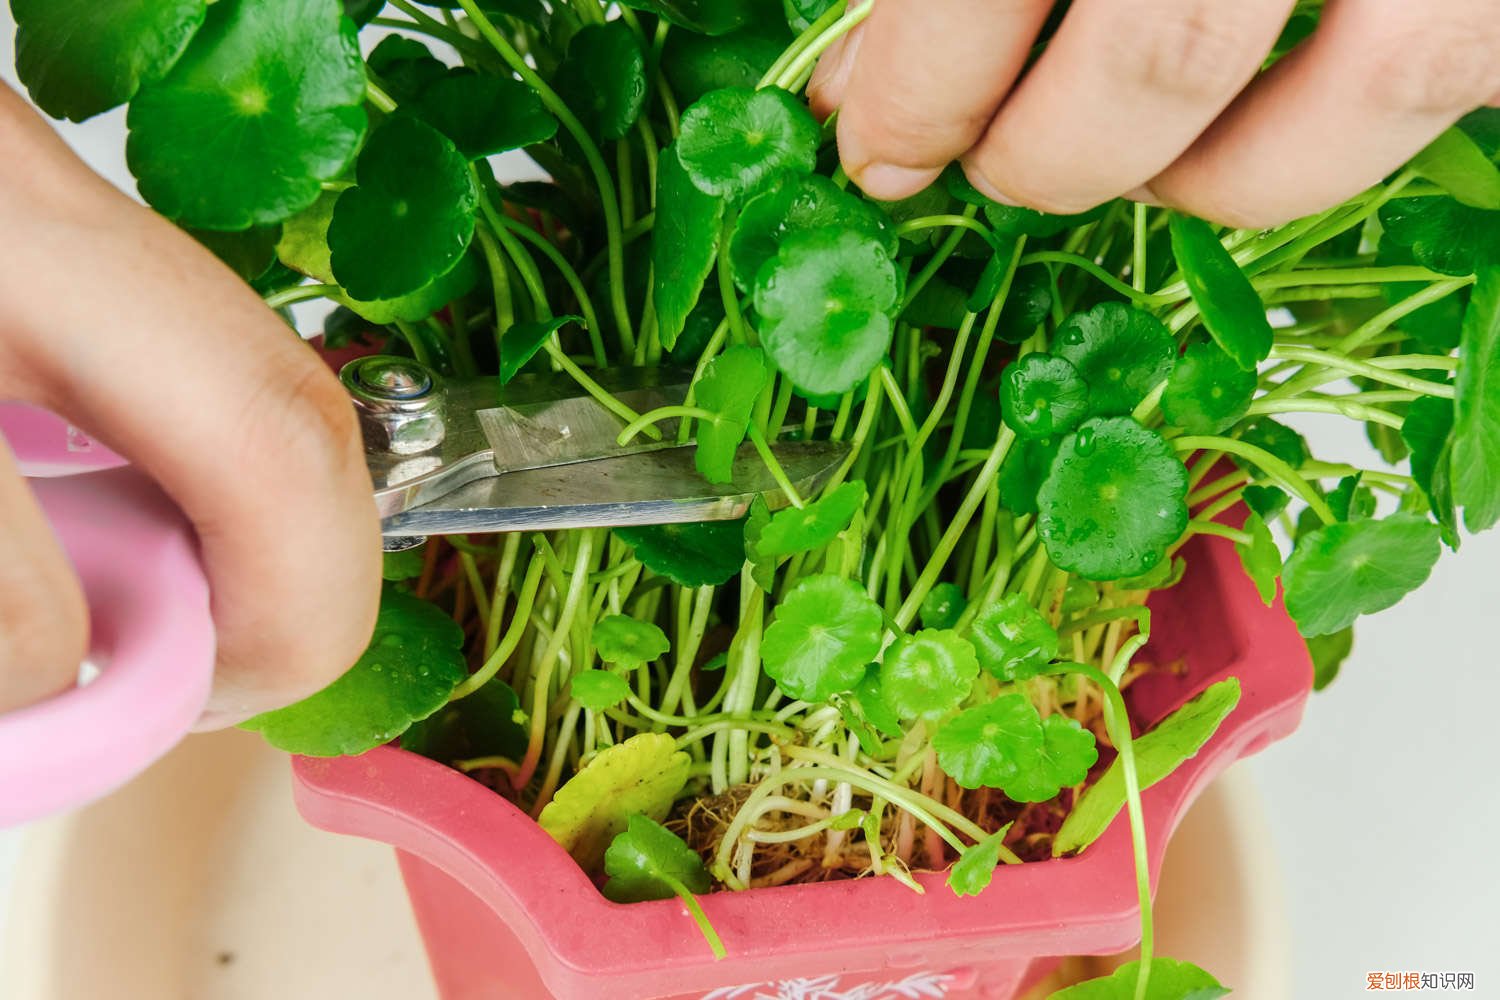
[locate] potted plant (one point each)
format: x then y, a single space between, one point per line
1029 614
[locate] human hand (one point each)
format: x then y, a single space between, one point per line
1158 100
112 317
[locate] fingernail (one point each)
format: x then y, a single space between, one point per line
983 186
1144 195
890 182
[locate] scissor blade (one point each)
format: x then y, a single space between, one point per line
659 487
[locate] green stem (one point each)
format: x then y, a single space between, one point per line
774 467
1342 407
1274 467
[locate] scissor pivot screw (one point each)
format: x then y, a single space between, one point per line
399 402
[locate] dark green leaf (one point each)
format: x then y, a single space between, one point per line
931 200
410 218
1454 162
1169 980
80 57
362 12
264 106
629 643
825 302
1231 308
825 633
1328 653
414 661
730 385
735 138
988 746
597 690
405 67
1476 416
603 80
1023 471
815 525
1157 754
794 203
1042 395
762 568
1444 234
1063 760
1277 438
484 115
696 63
1267 501
943 606
1435 327
1345 570
1428 431
974 870
1121 354
1208 393
1115 499
1027 305
1162 576
684 245
486 723
928 674
249 253
939 303
1013 640
648 861
1260 557
692 555
991 280
707 17
520 343
801 14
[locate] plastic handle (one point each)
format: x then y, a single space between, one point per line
151 631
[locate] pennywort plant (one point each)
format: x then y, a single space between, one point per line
920 667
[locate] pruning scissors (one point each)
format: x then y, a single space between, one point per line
463 456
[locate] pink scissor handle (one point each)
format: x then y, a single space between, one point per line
151 631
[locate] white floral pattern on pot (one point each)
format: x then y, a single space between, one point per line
917 986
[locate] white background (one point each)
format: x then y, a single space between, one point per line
1384 805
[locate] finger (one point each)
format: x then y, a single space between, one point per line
126 325
928 77
1372 86
1124 87
43 617
830 81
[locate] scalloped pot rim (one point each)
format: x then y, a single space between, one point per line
543 915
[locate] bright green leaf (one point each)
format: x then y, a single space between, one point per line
1169 980
870 697
80 57
1260 557
943 606
628 642
1121 353
403 565
603 79
825 302
264 106
1115 499
1455 163
486 723
989 745
684 245
648 861
1231 308
597 690
734 139
520 343
1345 570
1328 653
1351 501
1475 466
692 555
1428 432
414 661
794 203
645 774
972 872
1157 754
410 218
825 632
1444 234
1066 754
928 674
1042 395
1013 640
1207 393
730 385
485 115
815 525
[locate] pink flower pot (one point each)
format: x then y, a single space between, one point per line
507 914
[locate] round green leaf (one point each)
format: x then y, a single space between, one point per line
826 631
824 303
696 63
695 554
648 861
730 385
1443 233
986 746
603 80
484 115
1353 568
1013 640
410 218
264 106
1170 980
1121 353
793 203
813 526
414 661
943 606
1207 392
628 642
1063 760
735 138
1115 499
597 690
1042 395
80 57
928 674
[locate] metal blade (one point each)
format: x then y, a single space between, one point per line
659 487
